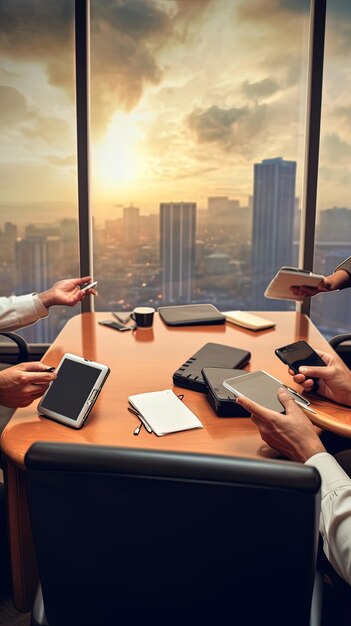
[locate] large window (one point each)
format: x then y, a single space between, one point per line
38 180
332 312
198 114
198 125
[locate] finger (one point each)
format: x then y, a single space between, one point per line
38 390
81 281
33 366
317 372
308 384
90 292
260 412
291 372
309 291
287 401
41 377
298 378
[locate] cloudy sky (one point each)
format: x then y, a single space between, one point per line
185 96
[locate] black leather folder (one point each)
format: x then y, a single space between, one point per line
189 374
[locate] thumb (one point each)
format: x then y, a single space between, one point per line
287 401
316 372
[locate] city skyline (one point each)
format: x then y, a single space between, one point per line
167 113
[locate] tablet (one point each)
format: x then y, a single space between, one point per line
263 389
72 395
286 277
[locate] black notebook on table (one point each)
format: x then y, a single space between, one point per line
189 374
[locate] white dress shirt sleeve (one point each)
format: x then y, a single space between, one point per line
19 311
335 519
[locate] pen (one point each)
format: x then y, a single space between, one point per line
50 369
307 402
138 429
149 430
305 408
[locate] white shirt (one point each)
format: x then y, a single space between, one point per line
19 311
335 519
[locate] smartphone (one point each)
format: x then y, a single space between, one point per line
115 325
259 387
300 353
87 286
122 317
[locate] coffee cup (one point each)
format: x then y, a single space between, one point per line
143 316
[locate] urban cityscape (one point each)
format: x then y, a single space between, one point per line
224 254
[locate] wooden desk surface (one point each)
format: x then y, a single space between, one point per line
145 360
141 361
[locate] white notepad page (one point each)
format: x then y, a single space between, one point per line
164 412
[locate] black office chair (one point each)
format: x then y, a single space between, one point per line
22 351
342 346
128 537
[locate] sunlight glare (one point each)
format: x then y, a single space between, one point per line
117 159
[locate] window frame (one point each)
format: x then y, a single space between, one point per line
313 122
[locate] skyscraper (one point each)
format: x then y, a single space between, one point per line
36 270
272 225
177 250
131 226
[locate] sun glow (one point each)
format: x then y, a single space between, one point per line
117 160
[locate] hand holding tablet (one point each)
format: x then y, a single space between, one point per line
72 395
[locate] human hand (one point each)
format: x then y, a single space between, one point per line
338 280
292 434
334 380
23 383
66 292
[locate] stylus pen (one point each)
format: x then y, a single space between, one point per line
307 402
138 429
305 408
149 430
50 369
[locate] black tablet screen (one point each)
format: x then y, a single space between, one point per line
69 392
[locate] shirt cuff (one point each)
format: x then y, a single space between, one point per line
40 309
332 475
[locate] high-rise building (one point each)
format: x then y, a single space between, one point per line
272 225
131 226
177 250
36 270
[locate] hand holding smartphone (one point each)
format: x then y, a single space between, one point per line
300 353
87 286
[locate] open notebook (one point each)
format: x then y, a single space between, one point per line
164 412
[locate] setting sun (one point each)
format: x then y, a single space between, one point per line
117 160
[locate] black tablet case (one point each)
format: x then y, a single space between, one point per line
191 315
220 398
189 374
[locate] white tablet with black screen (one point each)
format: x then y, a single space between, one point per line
72 395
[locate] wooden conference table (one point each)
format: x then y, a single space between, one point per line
140 361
